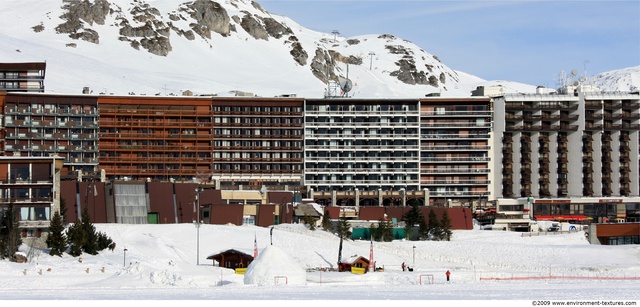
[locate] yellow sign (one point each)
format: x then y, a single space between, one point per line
241 271
355 270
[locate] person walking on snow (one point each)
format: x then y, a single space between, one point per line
403 267
448 274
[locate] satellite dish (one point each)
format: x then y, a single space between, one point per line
345 84
574 72
576 83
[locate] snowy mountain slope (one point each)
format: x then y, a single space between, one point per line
166 47
627 79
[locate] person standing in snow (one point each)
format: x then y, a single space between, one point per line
448 274
403 267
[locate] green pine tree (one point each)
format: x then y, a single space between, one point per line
90 244
445 225
10 234
376 231
326 221
386 231
411 218
434 229
76 238
343 230
56 239
63 211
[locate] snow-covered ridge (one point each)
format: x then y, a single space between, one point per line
164 47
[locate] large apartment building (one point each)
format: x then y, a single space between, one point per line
573 153
22 77
563 152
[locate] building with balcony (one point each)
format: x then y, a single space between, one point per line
41 125
576 153
257 142
155 138
22 77
455 150
31 185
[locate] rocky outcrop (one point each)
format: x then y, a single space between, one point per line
323 65
152 34
80 12
407 71
253 26
208 16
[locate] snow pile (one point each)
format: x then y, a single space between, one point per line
274 266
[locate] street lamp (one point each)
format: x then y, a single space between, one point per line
197 223
414 256
124 263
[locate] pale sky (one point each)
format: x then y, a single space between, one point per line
522 41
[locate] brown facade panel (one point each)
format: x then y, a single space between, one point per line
161 201
266 215
611 230
372 213
185 202
227 214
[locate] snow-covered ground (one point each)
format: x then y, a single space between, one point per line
161 263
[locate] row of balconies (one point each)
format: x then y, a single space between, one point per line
531 117
376 113
185 147
358 123
455 182
168 158
135 111
361 148
52 136
49 123
274 125
48 147
368 136
156 135
54 112
454 147
454 136
261 137
535 106
455 159
361 171
448 113
527 127
455 124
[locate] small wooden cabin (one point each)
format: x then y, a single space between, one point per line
354 262
232 259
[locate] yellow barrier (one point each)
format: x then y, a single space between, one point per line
241 271
357 270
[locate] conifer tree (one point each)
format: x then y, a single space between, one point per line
411 218
434 225
445 225
10 236
89 245
56 239
75 238
326 221
386 231
343 230
63 211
